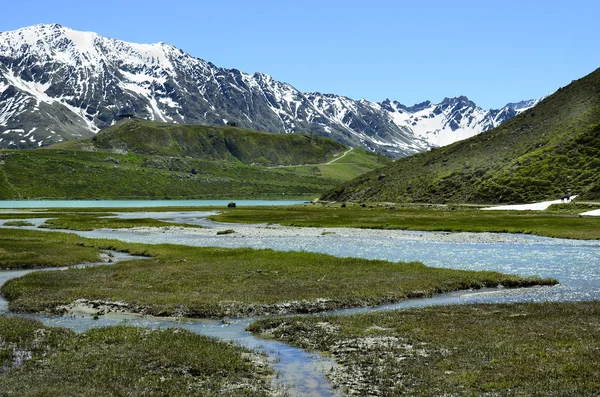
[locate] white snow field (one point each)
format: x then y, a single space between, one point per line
524 207
591 213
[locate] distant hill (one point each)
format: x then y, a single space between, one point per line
539 154
137 159
209 143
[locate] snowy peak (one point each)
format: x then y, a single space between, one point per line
523 105
88 50
452 119
58 84
460 101
416 107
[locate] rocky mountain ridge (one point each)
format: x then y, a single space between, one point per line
59 84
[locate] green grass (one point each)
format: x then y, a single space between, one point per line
216 282
65 174
355 163
573 208
527 349
593 192
25 249
69 174
19 335
123 361
534 156
25 215
210 143
430 218
87 221
228 231
94 212
18 223
139 159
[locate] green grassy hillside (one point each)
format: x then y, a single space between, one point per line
83 170
355 162
210 143
537 155
61 174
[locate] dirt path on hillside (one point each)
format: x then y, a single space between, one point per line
305 165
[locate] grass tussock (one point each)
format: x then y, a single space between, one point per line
215 282
227 231
37 360
526 349
82 221
18 223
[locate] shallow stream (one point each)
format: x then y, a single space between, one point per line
576 264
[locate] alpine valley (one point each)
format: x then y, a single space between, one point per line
57 84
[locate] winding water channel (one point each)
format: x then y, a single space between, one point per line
576 264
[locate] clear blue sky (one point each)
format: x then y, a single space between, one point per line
493 52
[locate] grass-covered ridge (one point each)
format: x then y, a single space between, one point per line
216 282
561 224
119 361
242 164
524 349
66 174
210 143
537 155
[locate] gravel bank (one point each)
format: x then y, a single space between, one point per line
271 230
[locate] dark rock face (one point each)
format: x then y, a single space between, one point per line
58 84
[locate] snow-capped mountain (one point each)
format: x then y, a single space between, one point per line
453 119
59 84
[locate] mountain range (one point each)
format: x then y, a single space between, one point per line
59 84
543 153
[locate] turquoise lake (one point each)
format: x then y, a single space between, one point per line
138 203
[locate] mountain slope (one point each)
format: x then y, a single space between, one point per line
76 175
209 143
539 154
58 84
139 159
